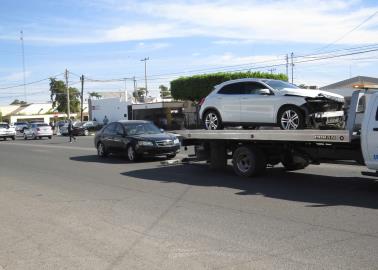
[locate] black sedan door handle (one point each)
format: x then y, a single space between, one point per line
375 129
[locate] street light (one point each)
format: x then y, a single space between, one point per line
145 73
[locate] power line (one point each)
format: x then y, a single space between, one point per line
34 82
347 33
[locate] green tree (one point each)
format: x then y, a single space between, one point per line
139 93
1 116
58 95
199 86
164 91
18 102
95 95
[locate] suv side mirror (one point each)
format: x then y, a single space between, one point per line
162 130
264 91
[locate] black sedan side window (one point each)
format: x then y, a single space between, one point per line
110 129
119 130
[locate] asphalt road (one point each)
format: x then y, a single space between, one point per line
63 208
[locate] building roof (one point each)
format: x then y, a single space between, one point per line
348 83
9 109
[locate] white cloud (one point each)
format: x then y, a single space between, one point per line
16 76
293 21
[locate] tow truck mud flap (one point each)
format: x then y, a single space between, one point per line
218 155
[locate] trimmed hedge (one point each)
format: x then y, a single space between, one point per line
199 86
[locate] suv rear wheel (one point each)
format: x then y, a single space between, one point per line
212 120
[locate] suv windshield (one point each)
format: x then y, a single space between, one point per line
141 128
279 85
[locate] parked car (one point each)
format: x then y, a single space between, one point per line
20 127
85 128
38 131
7 131
64 129
137 139
260 102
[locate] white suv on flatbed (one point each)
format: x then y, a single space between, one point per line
7 131
260 102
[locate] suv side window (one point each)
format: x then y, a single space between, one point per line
232 89
253 88
110 129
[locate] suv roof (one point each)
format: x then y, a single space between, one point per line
244 80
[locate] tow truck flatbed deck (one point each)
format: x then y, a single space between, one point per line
321 136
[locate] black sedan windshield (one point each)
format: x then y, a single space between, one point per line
141 128
279 85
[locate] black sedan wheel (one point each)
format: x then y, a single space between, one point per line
101 150
170 156
131 154
86 132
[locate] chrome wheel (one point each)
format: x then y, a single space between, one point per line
290 120
86 132
131 153
101 150
211 121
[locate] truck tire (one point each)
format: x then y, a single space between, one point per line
293 162
248 161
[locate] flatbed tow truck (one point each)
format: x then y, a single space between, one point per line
252 151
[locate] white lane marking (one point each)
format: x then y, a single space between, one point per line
53 146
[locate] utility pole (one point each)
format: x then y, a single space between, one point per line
67 94
81 98
145 73
287 66
292 67
272 70
23 62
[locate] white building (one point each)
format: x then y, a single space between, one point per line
113 108
345 87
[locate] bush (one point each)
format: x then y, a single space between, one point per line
199 86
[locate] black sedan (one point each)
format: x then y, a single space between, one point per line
85 128
136 139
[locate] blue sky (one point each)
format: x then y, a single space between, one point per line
106 39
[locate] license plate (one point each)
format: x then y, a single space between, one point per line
333 120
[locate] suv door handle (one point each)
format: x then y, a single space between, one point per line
375 129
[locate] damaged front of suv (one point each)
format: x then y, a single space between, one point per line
325 110
322 108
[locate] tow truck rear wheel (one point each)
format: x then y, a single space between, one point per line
294 162
248 161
